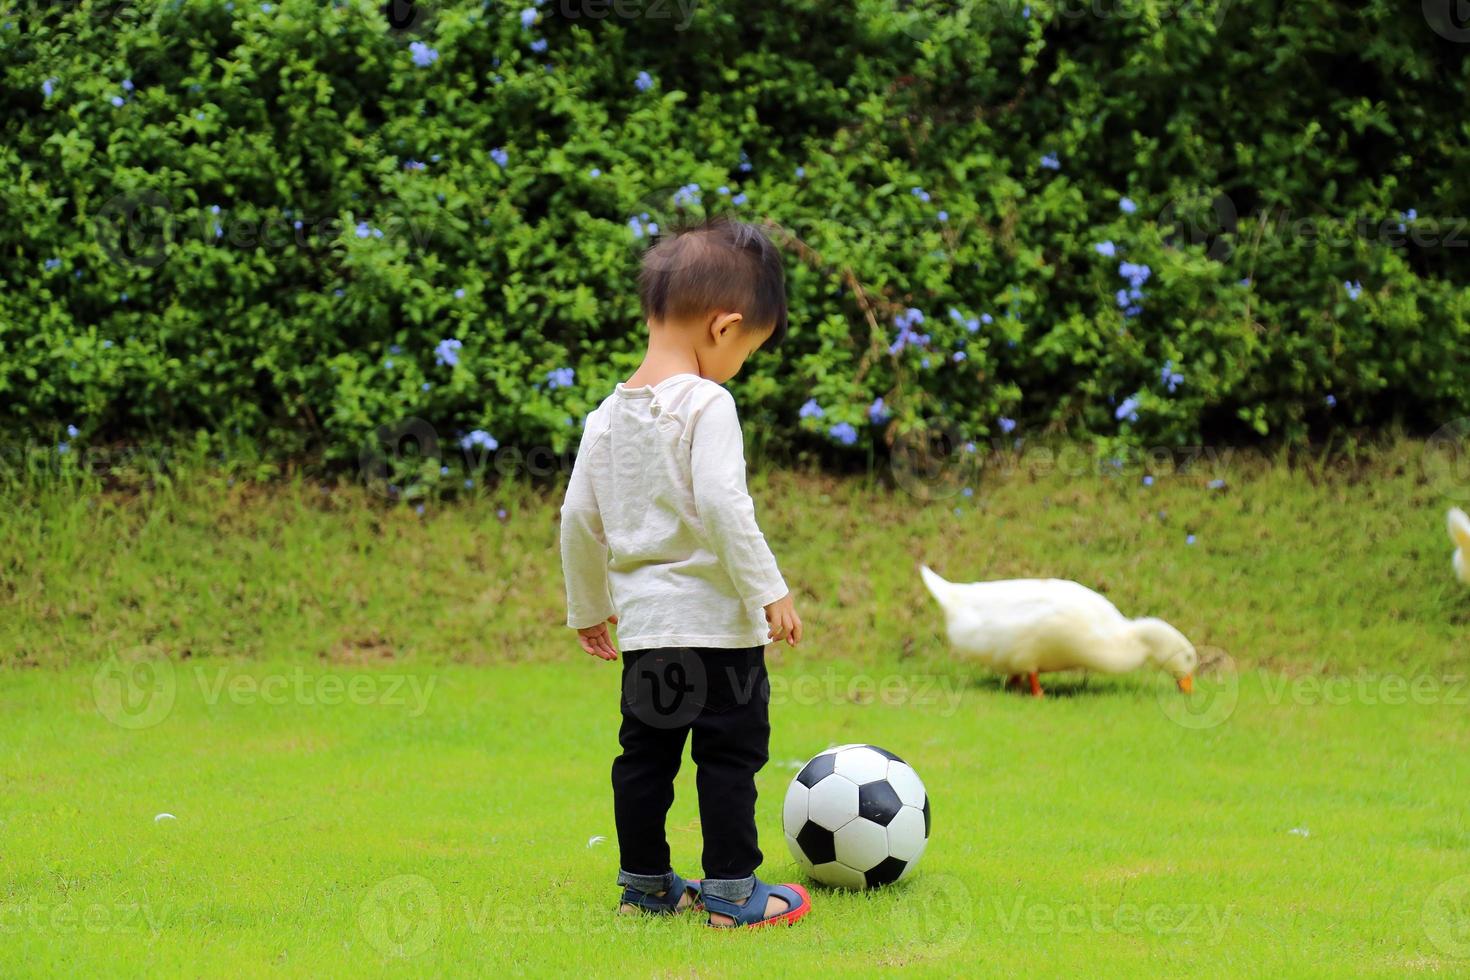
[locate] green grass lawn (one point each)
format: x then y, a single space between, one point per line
385 754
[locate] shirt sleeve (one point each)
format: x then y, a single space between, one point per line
717 466
584 548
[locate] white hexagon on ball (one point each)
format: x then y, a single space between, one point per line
839 875
794 810
862 844
906 783
906 835
861 765
832 802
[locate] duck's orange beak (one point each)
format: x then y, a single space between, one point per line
1186 683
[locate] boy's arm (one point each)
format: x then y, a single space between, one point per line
717 465
584 550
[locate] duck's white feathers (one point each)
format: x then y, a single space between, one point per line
1016 626
1459 525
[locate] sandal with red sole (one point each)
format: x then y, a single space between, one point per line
751 914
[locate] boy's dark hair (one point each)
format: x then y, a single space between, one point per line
720 266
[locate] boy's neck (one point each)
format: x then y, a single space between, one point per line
669 353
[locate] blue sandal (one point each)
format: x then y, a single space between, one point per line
751 913
668 902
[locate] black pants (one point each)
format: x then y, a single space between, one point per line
721 697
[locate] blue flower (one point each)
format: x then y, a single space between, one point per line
1331 401
921 194
745 166
1136 273
528 17
1107 249
560 378
972 325
1407 216
469 484
419 510
968 492
595 172
1122 298
877 412
740 199
448 352
686 196
443 471
722 191
800 172
501 513
52 264
1189 539
62 447
501 158
1007 426
1128 410
387 364
539 45
644 81
943 216
413 165
267 7
117 100
364 230
844 433
1168 376
1216 484
459 293
1127 206
986 318
1050 162
72 431
425 386
127 84
479 438
956 315
811 410
48 86
1354 290
959 356
1148 481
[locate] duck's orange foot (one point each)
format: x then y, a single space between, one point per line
1036 683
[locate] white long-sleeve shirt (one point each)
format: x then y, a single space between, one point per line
658 526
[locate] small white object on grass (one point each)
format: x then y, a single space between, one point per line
595 839
164 816
1300 831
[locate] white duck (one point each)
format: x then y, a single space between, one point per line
1460 535
1022 627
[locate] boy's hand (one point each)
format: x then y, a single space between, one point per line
597 641
785 624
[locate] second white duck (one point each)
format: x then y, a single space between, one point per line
1024 627
1460 535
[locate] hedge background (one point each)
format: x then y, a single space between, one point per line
1278 189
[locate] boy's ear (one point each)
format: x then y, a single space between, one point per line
724 325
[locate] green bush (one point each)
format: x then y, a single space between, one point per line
970 161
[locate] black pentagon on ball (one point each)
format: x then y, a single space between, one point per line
886 873
817 843
817 770
885 753
926 816
878 802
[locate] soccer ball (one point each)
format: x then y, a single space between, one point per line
856 816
